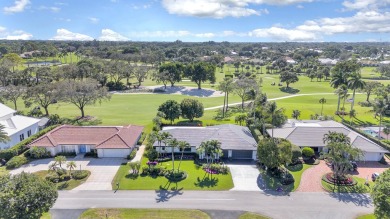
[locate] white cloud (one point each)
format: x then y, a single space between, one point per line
205 35
366 4
221 8
63 34
18 6
94 20
52 9
281 34
110 35
160 34
300 7
15 35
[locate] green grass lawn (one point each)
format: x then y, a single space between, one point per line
250 215
274 183
68 185
3 171
358 188
196 179
297 172
46 215
367 216
103 213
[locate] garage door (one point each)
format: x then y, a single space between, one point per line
115 152
241 154
225 154
372 156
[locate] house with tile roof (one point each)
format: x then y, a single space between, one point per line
237 142
17 127
310 133
108 141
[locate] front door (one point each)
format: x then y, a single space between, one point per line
83 148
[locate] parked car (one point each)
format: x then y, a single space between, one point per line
374 176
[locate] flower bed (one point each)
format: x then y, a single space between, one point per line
215 169
347 181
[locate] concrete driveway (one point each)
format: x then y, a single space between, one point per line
102 170
245 176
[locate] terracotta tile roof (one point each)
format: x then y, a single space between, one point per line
101 136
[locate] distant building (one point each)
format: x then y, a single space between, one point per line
17 127
327 61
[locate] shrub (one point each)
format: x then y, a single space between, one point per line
61 171
52 177
152 154
115 86
365 104
67 154
286 178
175 176
79 174
215 169
308 152
296 153
132 154
92 153
16 162
153 170
38 152
64 178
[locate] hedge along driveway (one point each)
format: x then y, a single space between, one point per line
197 179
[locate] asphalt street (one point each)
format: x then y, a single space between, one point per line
275 205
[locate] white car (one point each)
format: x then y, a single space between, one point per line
374 176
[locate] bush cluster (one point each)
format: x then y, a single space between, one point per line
67 154
365 104
79 174
215 169
175 176
307 152
38 153
284 176
21 147
92 153
16 162
153 170
115 86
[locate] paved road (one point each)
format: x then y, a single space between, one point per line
296 205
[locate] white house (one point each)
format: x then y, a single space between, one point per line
236 141
108 141
17 127
310 133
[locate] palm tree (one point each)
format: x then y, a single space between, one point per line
240 118
338 79
352 114
3 135
71 165
380 106
355 82
182 145
173 143
296 114
322 101
225 86
272 109
59 160
336 137
210 149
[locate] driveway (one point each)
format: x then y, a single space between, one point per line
311 178
365 169
245 176
102 170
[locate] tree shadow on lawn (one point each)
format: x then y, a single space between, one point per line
164 194
295 168
62 185
272 186
132 176
289 90
207 181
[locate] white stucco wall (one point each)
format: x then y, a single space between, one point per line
15 138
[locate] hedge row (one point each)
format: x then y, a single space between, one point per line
380 143
21 147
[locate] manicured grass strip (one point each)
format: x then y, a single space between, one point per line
297 172
250 215
197 179
367 216
358 188
46 215
142 213
67 185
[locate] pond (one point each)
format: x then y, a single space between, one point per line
42 63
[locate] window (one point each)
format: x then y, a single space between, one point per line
163 148
187 149
29 133
21 137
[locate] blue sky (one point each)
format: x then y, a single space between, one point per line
196 20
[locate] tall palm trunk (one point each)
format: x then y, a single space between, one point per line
227 101
380 126
353 99
173 159
223 109
181 158
338 104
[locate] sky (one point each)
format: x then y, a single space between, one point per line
197 20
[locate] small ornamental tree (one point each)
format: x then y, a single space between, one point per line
171 110
274 152
380 195
191 108
308 152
